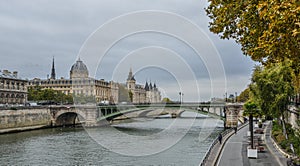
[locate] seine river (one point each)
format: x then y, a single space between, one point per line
164 141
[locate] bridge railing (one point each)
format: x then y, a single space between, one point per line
212 145
209 152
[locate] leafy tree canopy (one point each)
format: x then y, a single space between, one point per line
167 100
245 95
39 94
123 94
251 107
267 30
272 87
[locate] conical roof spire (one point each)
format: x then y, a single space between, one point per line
130 75
146 86
53 75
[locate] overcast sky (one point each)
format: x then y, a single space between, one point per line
160 42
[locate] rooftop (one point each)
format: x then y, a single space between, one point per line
8 74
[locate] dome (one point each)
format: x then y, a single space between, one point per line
79 70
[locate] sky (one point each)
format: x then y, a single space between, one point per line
166 42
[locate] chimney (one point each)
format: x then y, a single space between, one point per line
15 74
5 72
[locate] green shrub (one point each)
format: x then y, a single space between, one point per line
284 144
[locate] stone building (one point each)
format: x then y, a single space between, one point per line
12 89
152 93
79 84
140 93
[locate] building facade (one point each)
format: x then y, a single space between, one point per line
140 93
79 84
13 90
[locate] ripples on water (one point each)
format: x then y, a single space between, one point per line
74 146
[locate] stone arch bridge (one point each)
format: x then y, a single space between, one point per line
91 115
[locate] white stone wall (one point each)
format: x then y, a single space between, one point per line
24 118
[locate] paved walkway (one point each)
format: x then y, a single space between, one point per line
215 152
231 154
235 151
278 156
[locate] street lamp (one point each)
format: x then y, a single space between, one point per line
181 97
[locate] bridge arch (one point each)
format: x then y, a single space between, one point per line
67 117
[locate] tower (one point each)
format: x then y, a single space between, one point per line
53 70
130 81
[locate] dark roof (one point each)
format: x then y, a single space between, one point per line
132 78
79 66
146 86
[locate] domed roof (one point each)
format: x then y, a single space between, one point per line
79 66
79 70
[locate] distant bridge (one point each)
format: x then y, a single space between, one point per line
93 115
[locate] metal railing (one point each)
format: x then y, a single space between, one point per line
208 153
223 133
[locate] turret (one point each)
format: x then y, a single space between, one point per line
53 71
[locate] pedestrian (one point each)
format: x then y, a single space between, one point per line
220 138
235 130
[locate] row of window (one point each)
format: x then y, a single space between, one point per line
69 82
12 87
12 95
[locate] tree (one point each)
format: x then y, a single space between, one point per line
245 95
123 94
268 31
130 94
166 100
272 88
39 94
251 109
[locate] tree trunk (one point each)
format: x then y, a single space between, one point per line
283 126
251 130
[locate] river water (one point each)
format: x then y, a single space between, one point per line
165 141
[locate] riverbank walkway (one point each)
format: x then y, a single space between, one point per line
234 152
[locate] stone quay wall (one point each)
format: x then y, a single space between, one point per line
14 120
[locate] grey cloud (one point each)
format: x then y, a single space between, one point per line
34 31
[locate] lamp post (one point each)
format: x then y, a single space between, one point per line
181 97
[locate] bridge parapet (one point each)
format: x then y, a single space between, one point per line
91 114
